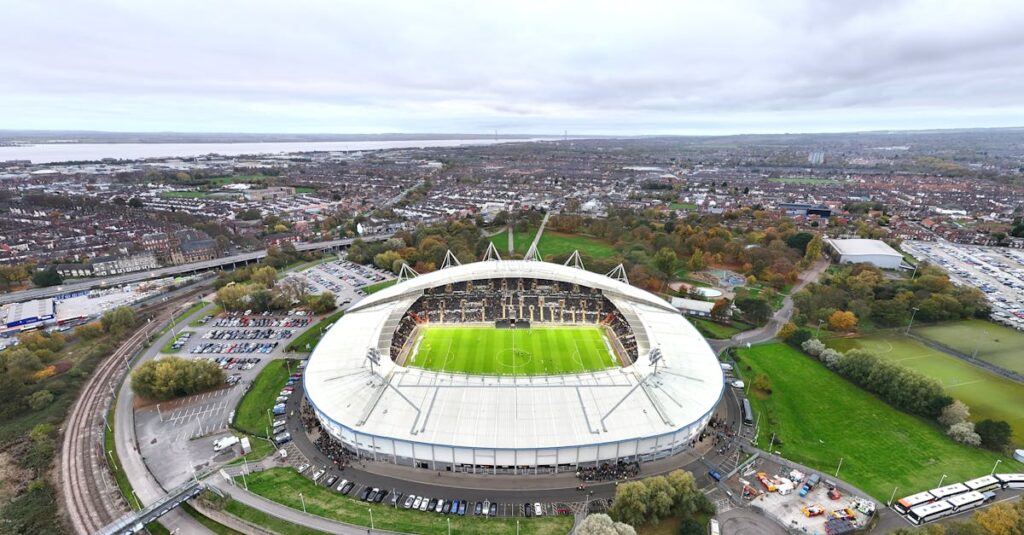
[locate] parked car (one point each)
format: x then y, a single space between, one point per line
348 487
409 500
538 510
494 509
330 481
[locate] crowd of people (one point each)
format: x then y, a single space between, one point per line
535 300
331 448
609 471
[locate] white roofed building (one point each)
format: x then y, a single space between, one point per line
874 252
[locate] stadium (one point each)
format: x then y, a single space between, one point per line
513 367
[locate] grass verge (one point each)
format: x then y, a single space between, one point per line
376 287
251 414
719 331
259 518
819 418
993 343
283 486
309 338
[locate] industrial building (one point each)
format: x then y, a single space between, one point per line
857 251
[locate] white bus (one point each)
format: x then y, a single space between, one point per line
929 511
942 493
1011 481
713 527
983 483
906 504
968 500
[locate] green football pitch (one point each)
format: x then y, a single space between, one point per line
492 351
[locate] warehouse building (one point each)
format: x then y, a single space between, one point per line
874 252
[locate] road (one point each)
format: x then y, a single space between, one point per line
532 250
128 278
146 488
780 318
91 498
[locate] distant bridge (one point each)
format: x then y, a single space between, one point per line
228 262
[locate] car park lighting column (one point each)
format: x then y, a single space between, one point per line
994 466
303 500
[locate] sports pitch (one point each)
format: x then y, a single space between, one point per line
492 351
988 395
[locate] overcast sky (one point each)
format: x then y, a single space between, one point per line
621 67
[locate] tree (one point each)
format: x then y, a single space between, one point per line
601 524
665 260
660 498
118 320
233 297
841 320
799 241
40 399
47 277
266 276
787 330
755 309
696 262
322 303
690 526
1000 519
171 377
630 504
135 202
995 434
685 490
954 413
721 309
963 433
813 347
814 248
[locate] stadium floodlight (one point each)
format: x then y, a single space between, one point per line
618 273
655 356
406 273
373 356
450 260
575 260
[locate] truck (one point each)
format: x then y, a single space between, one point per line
811 482
225 442
246 446
785 486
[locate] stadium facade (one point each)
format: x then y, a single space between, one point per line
652 407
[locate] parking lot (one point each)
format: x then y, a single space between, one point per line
342 278
996 271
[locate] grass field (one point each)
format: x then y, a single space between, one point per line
251 414
168 347
988 395
184 194
259 518
821 418
520 241
558 244
1001 346
536 351
283 485
682 206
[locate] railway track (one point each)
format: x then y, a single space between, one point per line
91 497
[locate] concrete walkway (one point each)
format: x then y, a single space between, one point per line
540 231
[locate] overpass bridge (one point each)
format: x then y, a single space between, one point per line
135 521
227 262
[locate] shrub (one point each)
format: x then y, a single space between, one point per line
798 337
995 434
813 347
963 433
954 413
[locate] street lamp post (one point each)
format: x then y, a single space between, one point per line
817 334
371 518
994 466
303 500
941 479
893 497
840 466
911 322
449 519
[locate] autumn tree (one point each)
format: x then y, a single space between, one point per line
696 262
630 504
842 320
814 248
266 276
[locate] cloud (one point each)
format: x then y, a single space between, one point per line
531 66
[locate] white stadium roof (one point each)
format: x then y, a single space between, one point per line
859 247
513 412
